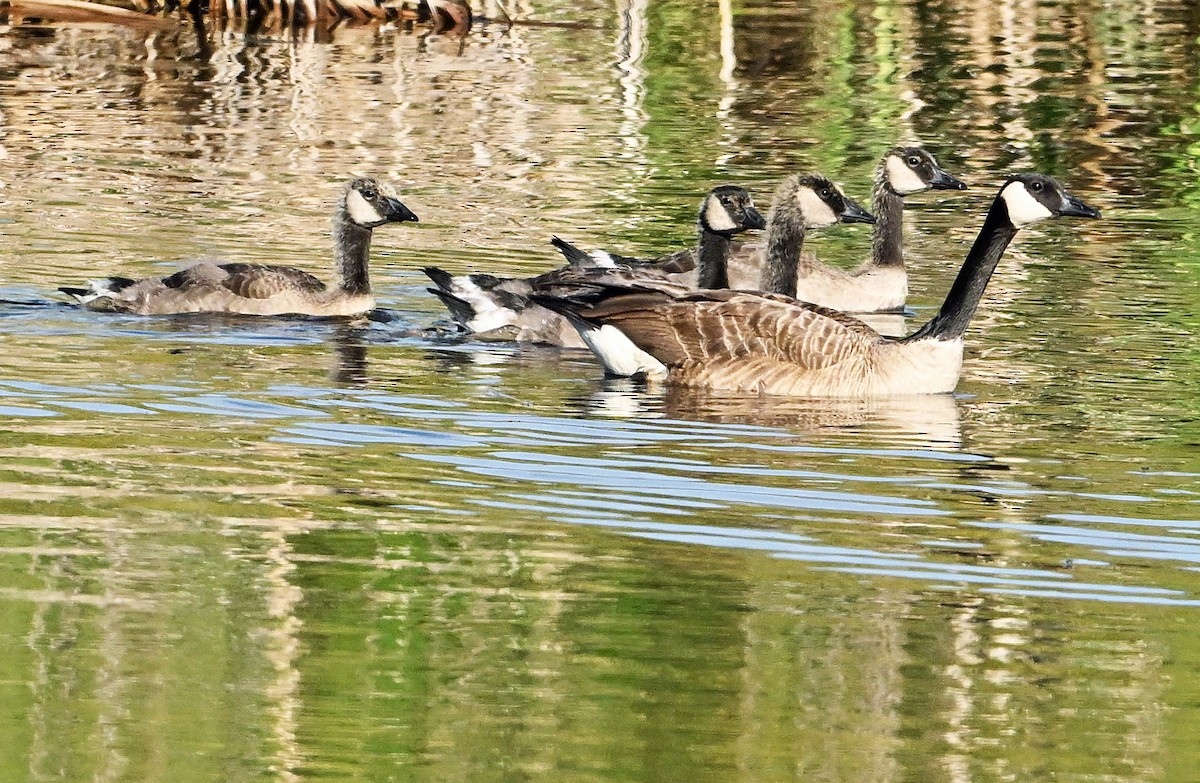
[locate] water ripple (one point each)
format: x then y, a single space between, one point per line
1110 542
339 434
215 404
14 410
541 468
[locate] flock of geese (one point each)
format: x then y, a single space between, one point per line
767 318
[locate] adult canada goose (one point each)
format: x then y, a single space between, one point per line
772 344
879 285
258 289
486 304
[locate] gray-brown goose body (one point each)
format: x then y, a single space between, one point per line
774 344
259 289
493 306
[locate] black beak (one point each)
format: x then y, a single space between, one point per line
855 214
754 219
1073 207
396 212
943 181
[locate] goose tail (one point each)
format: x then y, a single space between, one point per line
107 286
619 355
574 255
440 277
460 309
602 258
477 303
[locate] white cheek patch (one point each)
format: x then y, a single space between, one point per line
361 211
1023 208
903 179
716 217
817 213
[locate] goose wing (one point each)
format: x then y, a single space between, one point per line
672 263
251 281
724 327
593 282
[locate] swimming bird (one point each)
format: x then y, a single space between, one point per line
497 306
880 284
877 286
259 289
801 202
774 344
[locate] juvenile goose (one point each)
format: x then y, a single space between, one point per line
483 304
772 344
879 285
802 202
258 289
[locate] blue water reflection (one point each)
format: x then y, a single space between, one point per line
628 484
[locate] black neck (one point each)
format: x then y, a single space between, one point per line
963 299
886 237
712 260
351 247
785 239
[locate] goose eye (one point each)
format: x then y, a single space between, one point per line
914 161
825 193
368 193
1035 185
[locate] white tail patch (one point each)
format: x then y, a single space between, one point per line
618 353
361 211
716 216
96 289
903 179
817 213
1023 208
603 259
489 313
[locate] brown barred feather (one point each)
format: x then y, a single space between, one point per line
259 281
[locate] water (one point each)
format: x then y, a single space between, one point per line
237 549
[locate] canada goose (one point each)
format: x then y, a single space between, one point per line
801 202
772 344
879 285
495 306
258 289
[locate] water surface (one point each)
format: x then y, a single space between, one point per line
289 549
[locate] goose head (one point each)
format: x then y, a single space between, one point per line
1031 197
729 210
370 203
908 170
813 201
